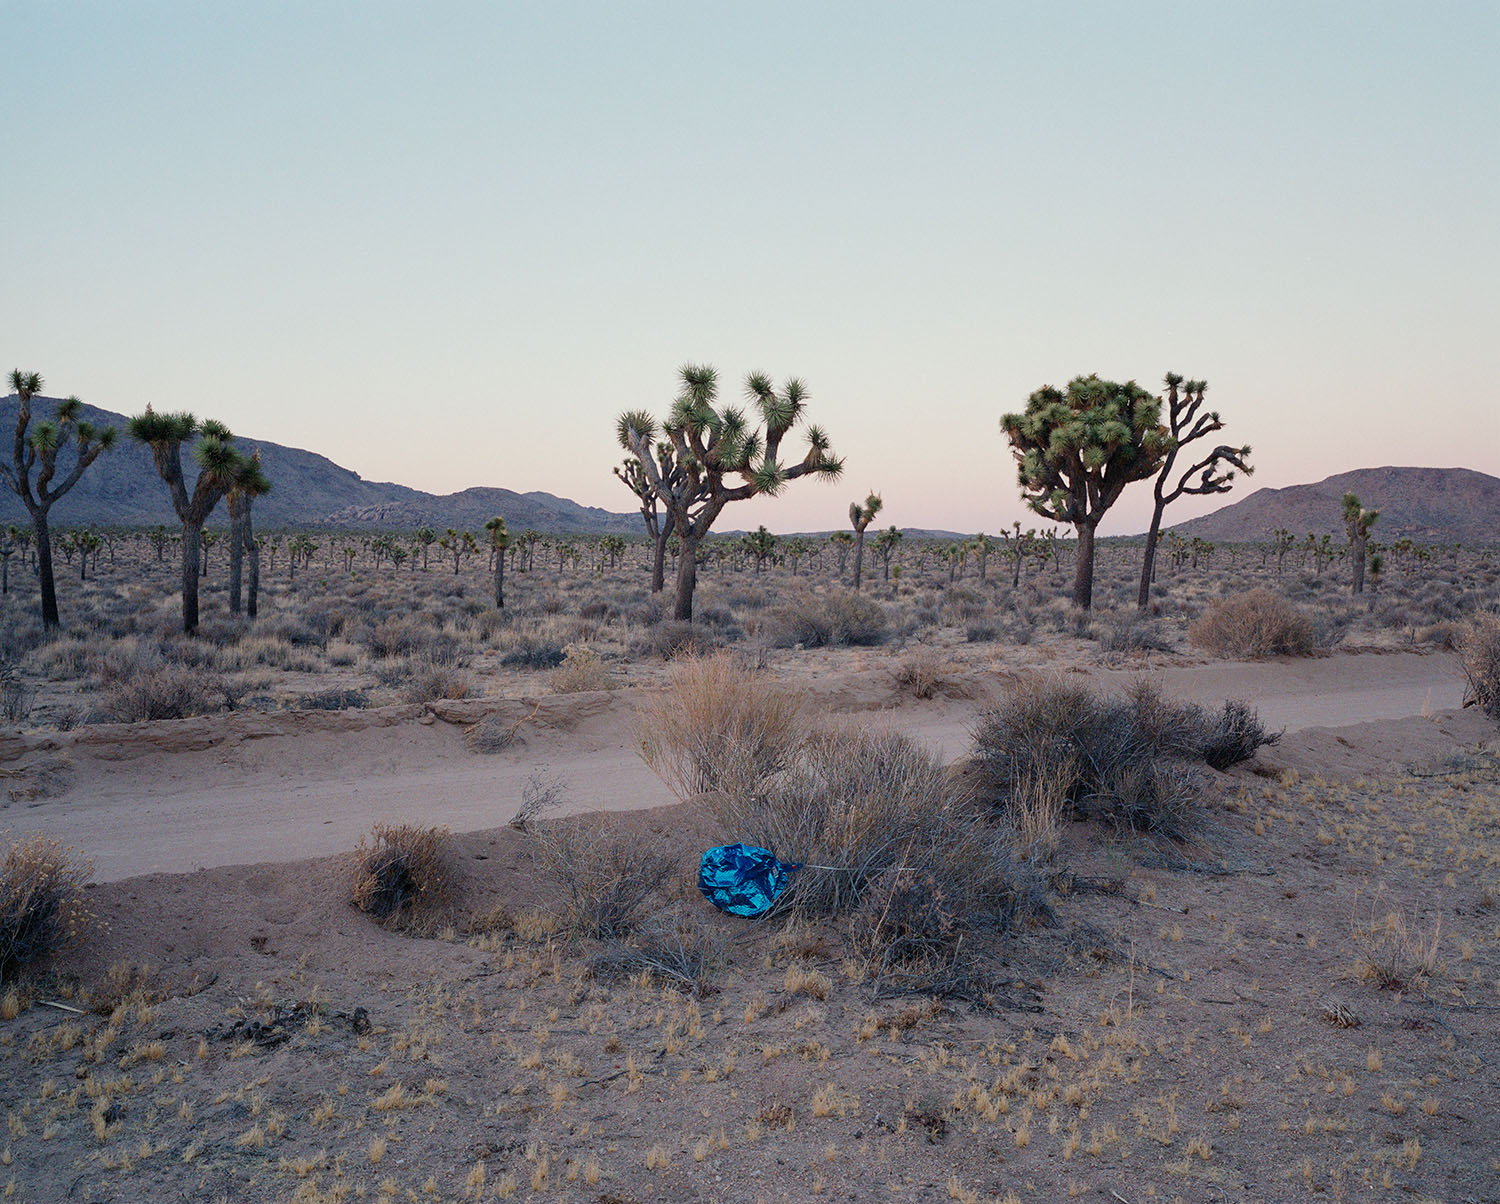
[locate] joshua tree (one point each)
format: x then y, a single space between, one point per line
1358 521
1282 542
426 536
713 444
761 545
658 525
612 546
1077 450
248 483
217 465
982 545
499 541
842 541
885 544
37 449
859 519
1213 473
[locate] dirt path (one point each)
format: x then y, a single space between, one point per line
235 790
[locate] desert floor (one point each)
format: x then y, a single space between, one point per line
1190 1024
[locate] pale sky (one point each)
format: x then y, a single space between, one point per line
445 244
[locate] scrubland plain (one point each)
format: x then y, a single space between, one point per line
1073 928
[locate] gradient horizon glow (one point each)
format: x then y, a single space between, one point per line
446 244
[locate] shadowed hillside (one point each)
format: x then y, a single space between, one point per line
1434 505
122 488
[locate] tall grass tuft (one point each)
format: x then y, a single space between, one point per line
718 727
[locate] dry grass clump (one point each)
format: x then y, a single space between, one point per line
1393 953
676 945
1256 624
433 682
1479 654
165 691
607 879
1055 746
833 619
906 932
921 673
43 908
719 726
401 871
582 670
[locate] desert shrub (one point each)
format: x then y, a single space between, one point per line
920 674
1234 735
674 638
718 726
607 878
1054 747
165 691
524 649
582 670
983 631
432 682
677 945
43 908
337 699
851 805
401 872
827 620
398 636
1256 624
1479 654
490 735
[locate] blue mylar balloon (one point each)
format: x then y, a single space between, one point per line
742 879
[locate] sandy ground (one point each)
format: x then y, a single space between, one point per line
1177 1030
294 785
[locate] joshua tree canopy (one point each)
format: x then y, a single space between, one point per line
1076 451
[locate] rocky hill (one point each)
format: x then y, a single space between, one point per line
1431 505
122 488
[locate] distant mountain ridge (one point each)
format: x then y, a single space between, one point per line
122 488
1430 505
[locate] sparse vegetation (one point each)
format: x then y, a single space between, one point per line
42 904
1479 654
401 873
607 881
1255 624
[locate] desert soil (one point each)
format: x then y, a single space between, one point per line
1191 1024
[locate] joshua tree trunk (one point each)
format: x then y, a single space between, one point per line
500 579
687 581
1148 562
1083 575
236 557
252 595
44 569
659 557
859 557
190 551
